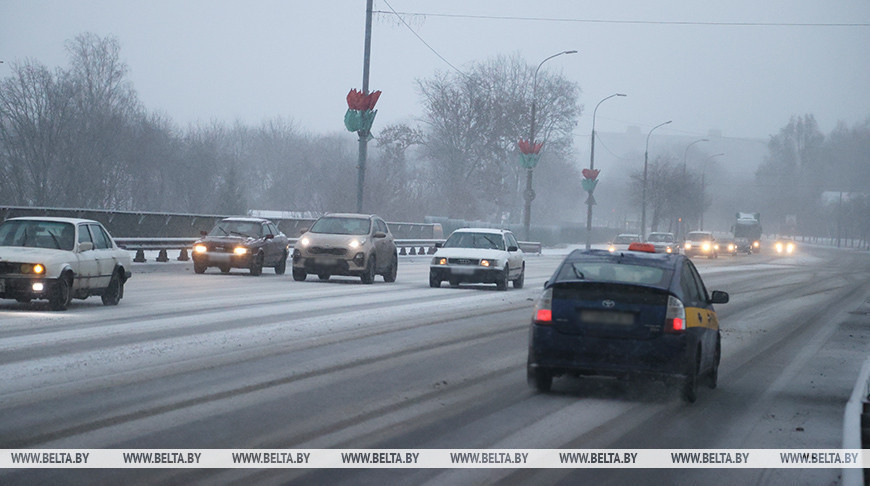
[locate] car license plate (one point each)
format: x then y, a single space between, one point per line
219 257
607 317
325 261
463 270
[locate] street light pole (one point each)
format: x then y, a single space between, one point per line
703 188
685 191
529 193
643 192
363 135
592 167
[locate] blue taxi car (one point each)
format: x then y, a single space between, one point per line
624 314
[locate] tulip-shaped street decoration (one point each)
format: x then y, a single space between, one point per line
361 111
590 180
529 153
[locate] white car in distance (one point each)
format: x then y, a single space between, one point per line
479 255
60 258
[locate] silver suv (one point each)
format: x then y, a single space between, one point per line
359 245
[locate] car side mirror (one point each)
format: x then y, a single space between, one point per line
303 231
379 234
85 246
269 237
719 297
438 244
546 283
203 233
512 248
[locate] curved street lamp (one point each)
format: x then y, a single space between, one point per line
703 187
643 192
686 152
589 202
682 207
530 194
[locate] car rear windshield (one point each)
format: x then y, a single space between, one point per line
250 229
342 226
38 234
614 272
490 241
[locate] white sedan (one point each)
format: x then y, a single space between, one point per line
479 255
58 259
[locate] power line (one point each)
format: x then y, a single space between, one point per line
418 36
634 22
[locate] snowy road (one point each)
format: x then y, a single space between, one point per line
233 361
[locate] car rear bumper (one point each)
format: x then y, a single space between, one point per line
466 274
664 355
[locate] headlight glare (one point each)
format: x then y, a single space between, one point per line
200 249
240 250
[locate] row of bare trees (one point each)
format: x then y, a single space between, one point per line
80 137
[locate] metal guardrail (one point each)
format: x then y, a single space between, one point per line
184 245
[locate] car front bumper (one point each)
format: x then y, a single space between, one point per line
219 259
14 287
466 273
332 265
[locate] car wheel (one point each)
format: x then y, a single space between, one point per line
540 379
520 281
434 281
502 283
713 379
112 294
199 267
281 267
299 274
257 265
454 282
390 274
368 276
23 300
62 295
690 385
225 269
323 276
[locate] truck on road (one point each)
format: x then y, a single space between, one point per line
747 232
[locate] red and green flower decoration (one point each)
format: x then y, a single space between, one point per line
590 180
361 111
529 153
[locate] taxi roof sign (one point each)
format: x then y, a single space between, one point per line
645 247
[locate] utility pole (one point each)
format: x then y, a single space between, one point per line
364 134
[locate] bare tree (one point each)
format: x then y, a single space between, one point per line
472 124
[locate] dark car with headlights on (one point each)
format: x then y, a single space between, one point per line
633 313
250 243
349 244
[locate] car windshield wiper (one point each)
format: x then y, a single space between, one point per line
56 240
221 228
241 234
579 274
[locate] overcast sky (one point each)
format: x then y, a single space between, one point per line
742 67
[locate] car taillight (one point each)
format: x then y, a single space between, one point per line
675 318
544 308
